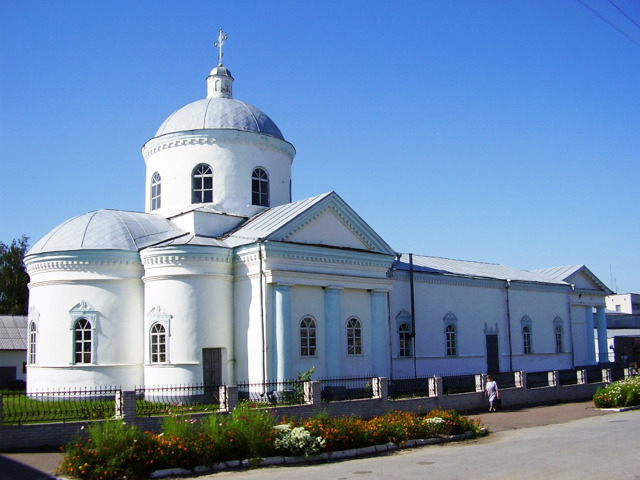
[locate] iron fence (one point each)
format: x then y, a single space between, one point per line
61 405
617 373
537 379
174 399
346 388
408 387
285 392
568 377
504 380
594 374
452 384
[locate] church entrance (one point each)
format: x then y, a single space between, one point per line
493 359
212 367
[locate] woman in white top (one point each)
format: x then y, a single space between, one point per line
491 391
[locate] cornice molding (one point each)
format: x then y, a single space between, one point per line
217 136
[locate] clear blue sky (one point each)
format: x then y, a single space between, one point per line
496 131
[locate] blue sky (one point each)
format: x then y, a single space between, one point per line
496 131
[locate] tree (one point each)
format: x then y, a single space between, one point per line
14 293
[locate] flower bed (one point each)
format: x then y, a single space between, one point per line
116 450
623 393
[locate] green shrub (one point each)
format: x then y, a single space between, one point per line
623 393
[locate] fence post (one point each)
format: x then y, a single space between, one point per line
435 386
582 376
125 405
380 387
521 379
481 381
228 398
553 379
312 393
606 375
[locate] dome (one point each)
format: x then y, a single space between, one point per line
220 113
107 230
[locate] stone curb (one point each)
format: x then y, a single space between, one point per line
328 456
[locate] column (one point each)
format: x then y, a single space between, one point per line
379 333
282 330
333 328
601 325
591 346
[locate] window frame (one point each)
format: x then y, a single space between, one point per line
451 340
405 345
33 342
308 336
158 340
155 191
260 195
202 184
84 355
354 337
527 335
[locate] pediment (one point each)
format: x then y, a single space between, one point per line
332 222
583 279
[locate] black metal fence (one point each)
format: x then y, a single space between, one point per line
287 392
165 400
537 379
568 377
59 405
346 388
452 384
408 387
594 374
504 380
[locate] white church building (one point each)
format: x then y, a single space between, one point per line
225 279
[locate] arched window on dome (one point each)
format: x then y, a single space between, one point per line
260 187
33 337
158 343
202 184
83 340
155 191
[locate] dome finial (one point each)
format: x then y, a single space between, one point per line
222 37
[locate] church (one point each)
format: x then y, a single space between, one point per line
225 279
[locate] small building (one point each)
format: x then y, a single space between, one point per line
13 350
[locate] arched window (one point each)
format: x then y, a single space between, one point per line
558 339
82 341
33 333
158 343
354 337
260 188
526 339
404 339
452 347
155 191
202 184
307 337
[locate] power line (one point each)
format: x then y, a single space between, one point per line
624 13
611 24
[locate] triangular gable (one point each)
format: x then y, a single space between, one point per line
331 222
579 276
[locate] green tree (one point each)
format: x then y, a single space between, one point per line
14 293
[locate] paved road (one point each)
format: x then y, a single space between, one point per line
566 441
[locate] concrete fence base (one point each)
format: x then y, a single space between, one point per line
53 435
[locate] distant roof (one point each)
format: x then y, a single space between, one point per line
471 269
219 113
107 230
565 273
13 332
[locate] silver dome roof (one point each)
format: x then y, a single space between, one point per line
222 113
107 230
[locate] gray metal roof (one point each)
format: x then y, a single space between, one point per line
269 221
473 269
107 230
223 113
13 332
559 273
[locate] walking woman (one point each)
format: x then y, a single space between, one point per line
491 391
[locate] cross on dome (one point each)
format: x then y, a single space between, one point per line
222 37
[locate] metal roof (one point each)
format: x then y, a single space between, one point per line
219 113
13 332
559 273
471 269
107 230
